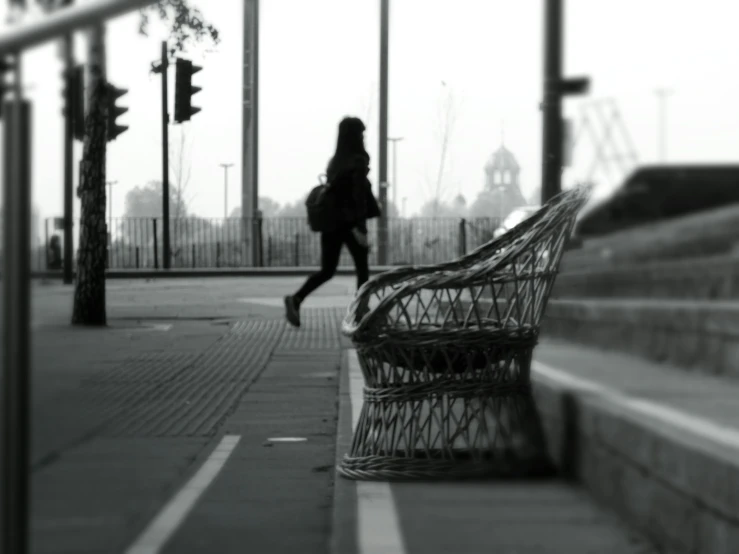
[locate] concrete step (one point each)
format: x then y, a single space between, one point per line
701 336
659 447
704 278
709 233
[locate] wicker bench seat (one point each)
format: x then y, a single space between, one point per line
445 353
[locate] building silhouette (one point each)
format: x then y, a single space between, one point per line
501 192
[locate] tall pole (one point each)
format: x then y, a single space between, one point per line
382 238
250 129
225 189
552 105
165 157
395 141
662 95
68 161
16 382
555 88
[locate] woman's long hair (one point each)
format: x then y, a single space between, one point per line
349 145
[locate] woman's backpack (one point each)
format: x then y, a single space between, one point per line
322 207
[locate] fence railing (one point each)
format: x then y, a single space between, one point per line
136 243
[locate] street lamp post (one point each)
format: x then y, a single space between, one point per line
225 189
395 141
382 238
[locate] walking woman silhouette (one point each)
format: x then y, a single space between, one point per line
347 179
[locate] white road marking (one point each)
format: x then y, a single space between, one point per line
159 531
378 528
685 421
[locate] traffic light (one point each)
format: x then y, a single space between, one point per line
5 66
73 94
114 111
183 90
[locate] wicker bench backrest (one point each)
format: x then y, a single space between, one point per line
504 284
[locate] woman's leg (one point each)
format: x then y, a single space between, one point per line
330 254
360 255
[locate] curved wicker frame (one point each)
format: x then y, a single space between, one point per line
446 350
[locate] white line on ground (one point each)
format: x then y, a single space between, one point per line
174 513
378 528
698 425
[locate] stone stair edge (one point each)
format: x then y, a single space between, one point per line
696 336
665 480
684 226
710 262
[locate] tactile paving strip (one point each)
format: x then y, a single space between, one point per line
160 393
203 393
145 367
320 330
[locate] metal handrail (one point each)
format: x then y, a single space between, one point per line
65 21
16 379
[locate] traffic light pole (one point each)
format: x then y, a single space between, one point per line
555 88
16 375
68 161
165 157
553 127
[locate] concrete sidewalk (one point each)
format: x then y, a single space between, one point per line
123 416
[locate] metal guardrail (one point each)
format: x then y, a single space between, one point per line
17 259
64 21
208 243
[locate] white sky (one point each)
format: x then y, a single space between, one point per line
319 62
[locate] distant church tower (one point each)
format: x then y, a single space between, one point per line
502 174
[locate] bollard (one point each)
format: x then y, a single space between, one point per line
156 245
260 237
218 254
297 249
46 241
462 237
410 242
194 265
138 266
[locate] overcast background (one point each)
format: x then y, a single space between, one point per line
319 62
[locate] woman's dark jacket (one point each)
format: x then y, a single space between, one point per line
353 192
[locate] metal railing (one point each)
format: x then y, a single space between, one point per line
199 243
17 256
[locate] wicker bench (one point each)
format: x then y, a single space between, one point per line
445 352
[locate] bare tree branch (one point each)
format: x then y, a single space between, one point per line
187 24
446 120
180 170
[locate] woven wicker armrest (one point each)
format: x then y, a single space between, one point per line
528 252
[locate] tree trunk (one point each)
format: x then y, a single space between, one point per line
89 294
